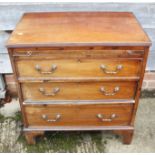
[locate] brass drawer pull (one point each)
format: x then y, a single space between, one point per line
53 68
53 93
116 89
104 68
57 118
101 117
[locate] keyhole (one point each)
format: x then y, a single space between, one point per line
79 60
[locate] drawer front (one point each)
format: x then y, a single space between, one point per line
78 115
78 91
78 68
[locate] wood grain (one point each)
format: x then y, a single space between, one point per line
78 67
79 43
137 95
78 28
78 91
68 53
90 47
74 115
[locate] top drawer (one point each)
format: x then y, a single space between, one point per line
78 63
78 68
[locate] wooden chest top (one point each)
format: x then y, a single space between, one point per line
78 29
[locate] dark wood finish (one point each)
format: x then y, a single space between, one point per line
79 43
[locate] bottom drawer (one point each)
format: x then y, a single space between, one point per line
78 115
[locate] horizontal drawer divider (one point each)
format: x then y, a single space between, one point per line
74 79
110 101
75 128
99 57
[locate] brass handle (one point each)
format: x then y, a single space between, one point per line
57 118
101 117
53 93
53 68
116 89
118 68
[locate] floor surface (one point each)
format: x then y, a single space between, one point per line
143 140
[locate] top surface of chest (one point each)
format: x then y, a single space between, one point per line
78 28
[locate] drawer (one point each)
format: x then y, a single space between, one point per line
78 68
78 115
78 91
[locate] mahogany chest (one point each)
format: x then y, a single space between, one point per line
78 71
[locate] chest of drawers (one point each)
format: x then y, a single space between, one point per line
78 71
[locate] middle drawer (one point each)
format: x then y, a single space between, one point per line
78 90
